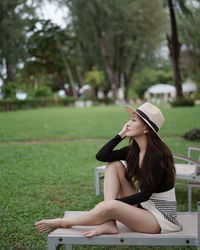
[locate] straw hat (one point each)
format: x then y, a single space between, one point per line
151 114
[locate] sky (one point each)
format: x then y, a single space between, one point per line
56 13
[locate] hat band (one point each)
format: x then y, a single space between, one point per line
147 118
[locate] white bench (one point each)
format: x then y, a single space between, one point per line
195 181
189 172
190 236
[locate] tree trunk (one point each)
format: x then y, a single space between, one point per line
95 90
60 82
66 64
113 76
127 77
174 48
35 82
9 72
76 64
126 87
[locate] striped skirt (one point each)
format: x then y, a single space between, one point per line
163 207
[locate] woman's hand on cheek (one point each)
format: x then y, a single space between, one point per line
123 132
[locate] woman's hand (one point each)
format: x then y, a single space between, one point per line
123 132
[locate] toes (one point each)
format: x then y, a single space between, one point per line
40 222
40 229
88 234
43 229
91 234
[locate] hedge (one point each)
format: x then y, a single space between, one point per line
15 104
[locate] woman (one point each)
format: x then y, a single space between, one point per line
152 208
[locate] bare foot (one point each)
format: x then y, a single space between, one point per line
109 227
45 226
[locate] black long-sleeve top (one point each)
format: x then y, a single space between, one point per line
108 154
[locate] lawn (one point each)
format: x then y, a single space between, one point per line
47 164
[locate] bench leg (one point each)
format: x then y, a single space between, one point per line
52 244
97 182
198 227
189 198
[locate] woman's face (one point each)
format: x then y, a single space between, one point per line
136 126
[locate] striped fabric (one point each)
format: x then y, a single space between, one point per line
168 209
163 206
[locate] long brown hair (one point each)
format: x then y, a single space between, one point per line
157 156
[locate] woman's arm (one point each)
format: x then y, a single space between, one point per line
144 195
107 154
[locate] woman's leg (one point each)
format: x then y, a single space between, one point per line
115 183
115 186
137 219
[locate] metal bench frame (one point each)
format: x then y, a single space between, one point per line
194 179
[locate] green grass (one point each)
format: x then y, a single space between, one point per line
42 180
95 122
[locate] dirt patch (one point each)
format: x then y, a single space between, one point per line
66 139
46 140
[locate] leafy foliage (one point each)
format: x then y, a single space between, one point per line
193 135
190 36
9 90
94 78
41 91
15 18
145 78
45 47
184 101
15 104
119 34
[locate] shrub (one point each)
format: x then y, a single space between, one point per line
15 104
197 95
105 100
183 102
41 91
9 90
69 100
192 135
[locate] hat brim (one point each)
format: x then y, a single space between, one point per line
131 111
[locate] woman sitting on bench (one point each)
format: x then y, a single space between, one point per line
150 208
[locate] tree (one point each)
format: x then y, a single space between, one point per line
50 51
117 35
15 18
94 78
173 41
190 36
